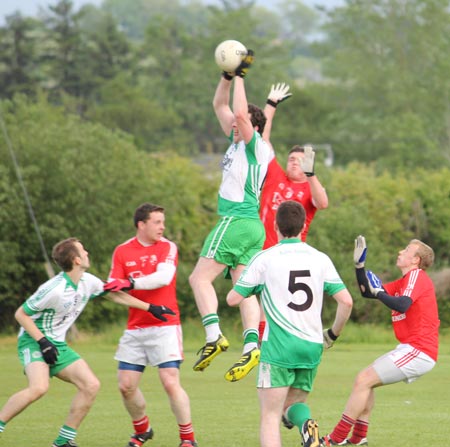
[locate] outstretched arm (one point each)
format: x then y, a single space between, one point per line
221 104
278 93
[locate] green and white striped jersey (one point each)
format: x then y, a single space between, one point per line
244 169
57 303
291 278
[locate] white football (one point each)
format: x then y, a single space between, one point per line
229 54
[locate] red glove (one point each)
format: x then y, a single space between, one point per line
117 285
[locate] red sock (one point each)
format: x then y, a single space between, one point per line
141 425
342 429
262 326
359 431
186 432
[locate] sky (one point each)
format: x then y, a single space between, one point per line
31 7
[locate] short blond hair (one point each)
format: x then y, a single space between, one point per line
425 253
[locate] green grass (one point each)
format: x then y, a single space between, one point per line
227 413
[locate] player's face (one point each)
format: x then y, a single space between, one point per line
152 230
236 135
407 257
83 257
294 169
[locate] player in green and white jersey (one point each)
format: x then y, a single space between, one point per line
291 278
239 233
45 318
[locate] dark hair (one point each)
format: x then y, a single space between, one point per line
64 252
296 148
290 218
257 117
142 213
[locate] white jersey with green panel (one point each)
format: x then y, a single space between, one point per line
244 170
291 278
57 303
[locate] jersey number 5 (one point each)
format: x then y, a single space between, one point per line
295 286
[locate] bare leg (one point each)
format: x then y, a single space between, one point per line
80 374
178 398
38 383
132 396
271 401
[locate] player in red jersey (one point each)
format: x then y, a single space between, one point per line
145 266
415 321
294 184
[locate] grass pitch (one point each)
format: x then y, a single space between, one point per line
227 414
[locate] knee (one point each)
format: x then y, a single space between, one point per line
37 391
126 389
93 387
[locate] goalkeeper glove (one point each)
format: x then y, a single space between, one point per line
245 65
117 285
329 338
159 311
307 161
360 252
375 284
49 350
278 93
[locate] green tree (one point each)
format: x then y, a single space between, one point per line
389 61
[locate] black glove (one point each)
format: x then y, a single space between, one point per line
245 65
49 351
159 311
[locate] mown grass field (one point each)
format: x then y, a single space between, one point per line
227 414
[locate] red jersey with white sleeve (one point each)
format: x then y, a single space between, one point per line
136 260
419 325
277 189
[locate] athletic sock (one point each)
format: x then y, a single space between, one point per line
359 431
342 429
141 425
262 326
186 432
211 324
66 434
250 340
298 413
2 426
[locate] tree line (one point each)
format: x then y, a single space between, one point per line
109 107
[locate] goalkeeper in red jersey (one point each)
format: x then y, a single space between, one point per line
415 321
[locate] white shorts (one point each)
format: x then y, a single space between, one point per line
404 363
151 345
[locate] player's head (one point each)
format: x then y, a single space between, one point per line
294 169
142 213
149 220
290 218
257 117
65 252
424 252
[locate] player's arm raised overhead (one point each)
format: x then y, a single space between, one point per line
221 104
278 93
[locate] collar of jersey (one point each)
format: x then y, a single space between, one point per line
69 281
291 240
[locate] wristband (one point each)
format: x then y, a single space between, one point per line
310 174
332 335
227 76
272 103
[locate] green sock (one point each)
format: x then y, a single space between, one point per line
65 434
2 426
251 336
298 414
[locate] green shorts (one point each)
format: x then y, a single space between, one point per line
29 352
234 241
272 376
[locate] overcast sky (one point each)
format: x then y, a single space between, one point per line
31 7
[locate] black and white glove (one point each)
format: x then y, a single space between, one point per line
49 350
329 338
360 252
245 65
307 161
278 93
159 311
